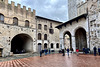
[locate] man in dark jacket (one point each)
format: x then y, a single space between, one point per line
94 51
99 50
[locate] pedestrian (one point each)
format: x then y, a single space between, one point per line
41 53
68 51
71 50
83 50
49 50
99 50
94 50
77 50
63 51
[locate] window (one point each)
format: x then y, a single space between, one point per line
51 31
26 23
45 45
39 36
45 37
57 45
15 21
39 26
1 18
50 25
45 27
51 45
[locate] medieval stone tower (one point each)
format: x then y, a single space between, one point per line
73 8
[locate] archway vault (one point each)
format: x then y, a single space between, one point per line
70 39
80 38
21 43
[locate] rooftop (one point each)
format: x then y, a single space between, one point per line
48 19
74 19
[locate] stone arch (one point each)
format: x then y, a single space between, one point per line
21 43
45 45
15 21
77 29
27 23
1 18
80 38
70 38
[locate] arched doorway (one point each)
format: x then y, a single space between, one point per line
21 43
39 47
67 40
81 40
45 45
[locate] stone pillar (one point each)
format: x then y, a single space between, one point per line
62 43
73 43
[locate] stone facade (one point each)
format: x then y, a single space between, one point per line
91 24
17 22
52 38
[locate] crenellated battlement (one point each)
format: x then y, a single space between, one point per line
17 9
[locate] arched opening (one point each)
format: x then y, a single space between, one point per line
39 26
45 27
26 23
39 36
45 45
52 45
39 47
45 36
15 21
67 40
80 37
21 43
1 18
57 45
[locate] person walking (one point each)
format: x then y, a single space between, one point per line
41 53
49 50
77 50
84 50
63 51
94 51
99 50
71 50
68 51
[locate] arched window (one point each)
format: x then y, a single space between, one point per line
39 26
57 45
45 45
26 23
39 36
45 36
1 18
45 27
15 21
51 45
50 25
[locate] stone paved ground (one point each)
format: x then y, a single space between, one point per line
55 60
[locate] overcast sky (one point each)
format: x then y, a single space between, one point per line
52 9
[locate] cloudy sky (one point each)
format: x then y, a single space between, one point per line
52 9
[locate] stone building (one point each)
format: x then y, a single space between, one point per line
84 29
17 29
47 34
20 30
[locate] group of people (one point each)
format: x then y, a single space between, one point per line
46 51
85 50
95 50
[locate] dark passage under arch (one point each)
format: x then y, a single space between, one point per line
21 43
81 40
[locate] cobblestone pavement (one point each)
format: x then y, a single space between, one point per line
55 60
